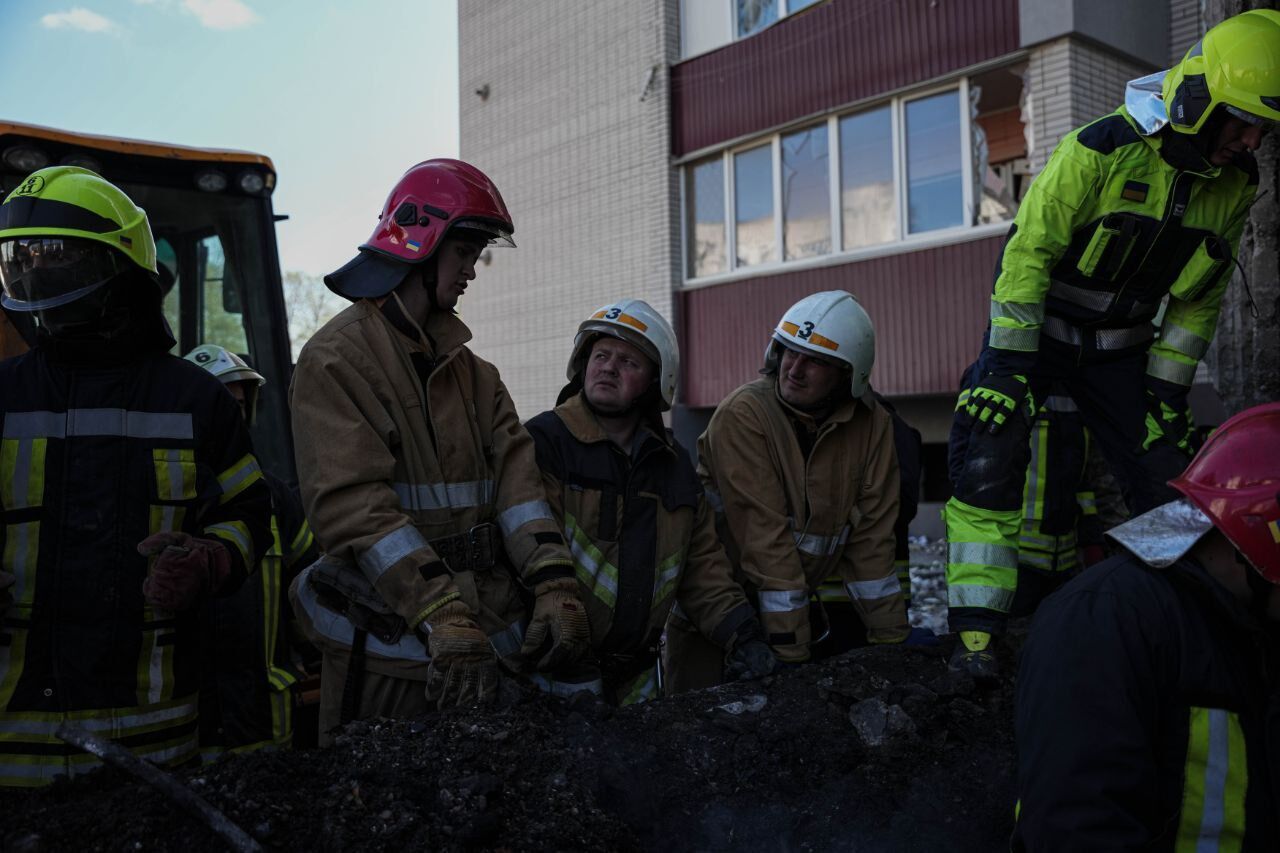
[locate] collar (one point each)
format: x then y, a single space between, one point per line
1184 157
584 426
443 334
841 413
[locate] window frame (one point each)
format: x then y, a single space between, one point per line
905 241
729 22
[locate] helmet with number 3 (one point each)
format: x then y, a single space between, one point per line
831 325
633 321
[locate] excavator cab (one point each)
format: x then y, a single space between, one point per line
210 211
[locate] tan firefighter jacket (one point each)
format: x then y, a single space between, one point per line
791 521
387 463
642 535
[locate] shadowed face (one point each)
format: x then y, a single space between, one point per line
617 373
806 380
1234 137
455 268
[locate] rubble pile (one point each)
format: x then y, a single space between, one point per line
880 749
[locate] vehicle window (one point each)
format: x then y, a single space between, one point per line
167 265
221 315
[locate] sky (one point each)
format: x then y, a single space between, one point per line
342 96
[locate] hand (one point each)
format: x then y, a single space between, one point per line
994 400
184 568
464 669
1168 415
6 598
749 660
558 631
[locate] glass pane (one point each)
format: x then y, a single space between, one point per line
167 264
794 6
869 211
222 321
755 15
935 189
704 195
806 205
753 206
1001 173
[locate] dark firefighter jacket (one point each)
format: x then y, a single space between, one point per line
642 535
1145 716
245 701
1106 230
93 459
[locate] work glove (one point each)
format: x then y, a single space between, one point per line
751 657
558 630
6 597
996 399
1168 415
182 569
464 669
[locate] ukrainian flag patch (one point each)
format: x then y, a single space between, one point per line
1134 191
412 245
1275 530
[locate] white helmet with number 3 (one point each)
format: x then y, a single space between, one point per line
633 321
832 325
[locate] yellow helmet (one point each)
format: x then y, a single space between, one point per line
1237 65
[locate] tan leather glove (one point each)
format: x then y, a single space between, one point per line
558 631
464 669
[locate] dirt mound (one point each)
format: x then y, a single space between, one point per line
880 749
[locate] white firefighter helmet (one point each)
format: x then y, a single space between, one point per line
832 325
230 368
633 321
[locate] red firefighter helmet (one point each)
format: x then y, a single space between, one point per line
1235 481
433 198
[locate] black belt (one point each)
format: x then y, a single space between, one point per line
477 549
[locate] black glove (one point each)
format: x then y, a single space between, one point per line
1168 415
994 400
750 656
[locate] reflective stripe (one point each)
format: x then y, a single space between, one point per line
867 590
589 564
1094 300
85 422
166 517
21 554
976 595
1033 490
666 575
1103 339
1026 313
566 689
238 534
982 554
102 721
1060 403
1183 340
1023 340
1170 370
338 628
821 546
641 689
1036 561
422 496
239 477
22 472
783 600
302 541
389 550
521 514
1088 503
508 641
1214 783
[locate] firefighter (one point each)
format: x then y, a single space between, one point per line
417 477
632 509
1144 203
246 700
130 493
1145 714
801 465
844 629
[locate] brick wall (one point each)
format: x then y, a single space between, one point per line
1184 27
581 160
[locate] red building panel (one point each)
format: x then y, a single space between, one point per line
828 56
929 307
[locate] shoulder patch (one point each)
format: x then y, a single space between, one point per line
1107 134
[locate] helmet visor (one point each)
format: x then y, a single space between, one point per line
45 272
486 229
1247 117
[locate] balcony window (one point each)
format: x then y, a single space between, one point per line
806 203
755 15
704 192
753 206
935 181
868 204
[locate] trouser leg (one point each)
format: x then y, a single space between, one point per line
1112 400
689 660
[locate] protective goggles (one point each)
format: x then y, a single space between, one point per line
44 272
